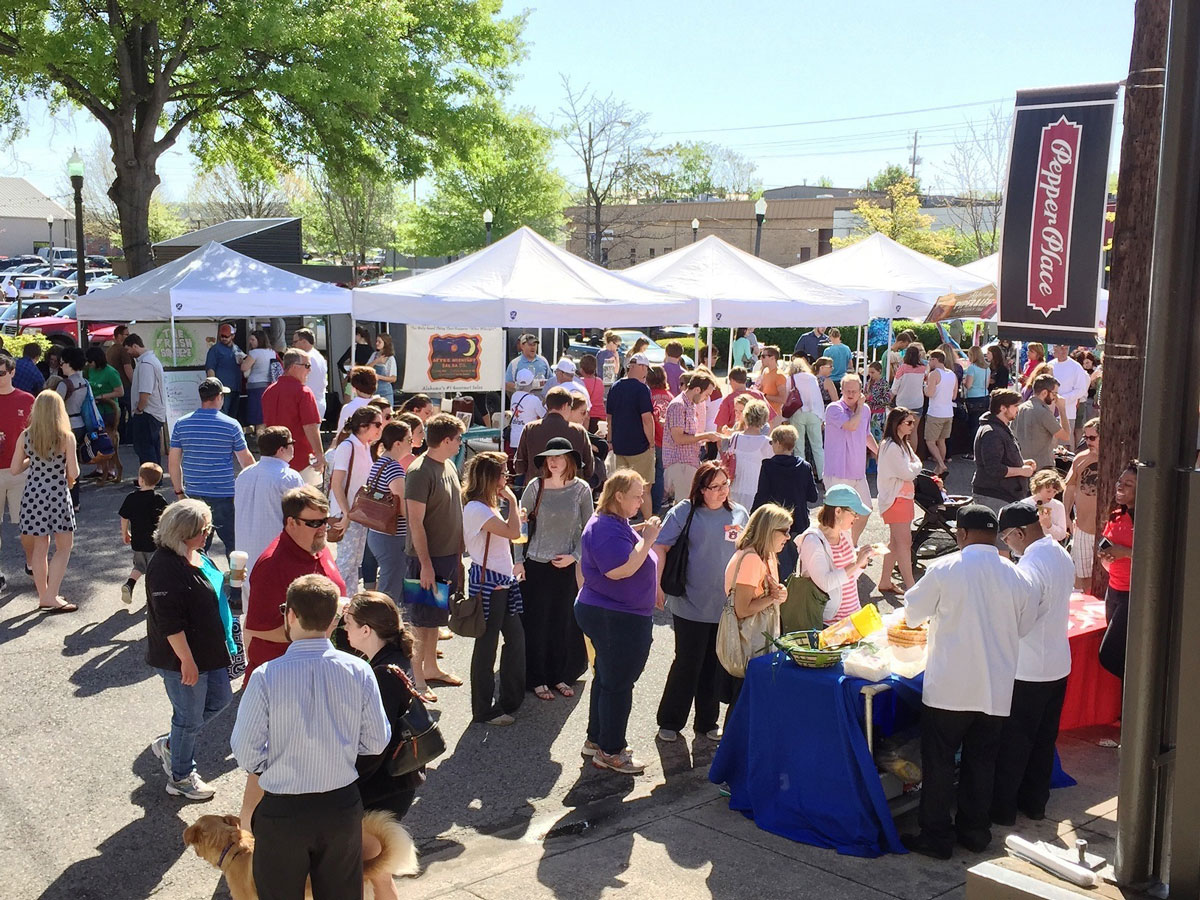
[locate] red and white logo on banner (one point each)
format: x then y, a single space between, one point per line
1053 203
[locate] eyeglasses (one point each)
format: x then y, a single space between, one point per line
312 523
719 486
785 532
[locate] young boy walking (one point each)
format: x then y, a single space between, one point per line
139 514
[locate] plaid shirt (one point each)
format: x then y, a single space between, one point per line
681 413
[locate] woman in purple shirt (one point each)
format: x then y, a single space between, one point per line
615 609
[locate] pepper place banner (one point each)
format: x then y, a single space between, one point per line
1051 239
446 359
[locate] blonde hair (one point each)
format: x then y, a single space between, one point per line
975 355
764 522
619 482
756 414
49 426
1038 349
800 364
482 477
1046 478
785 436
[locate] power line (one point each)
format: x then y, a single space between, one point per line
901 112
860 136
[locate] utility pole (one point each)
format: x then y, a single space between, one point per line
914 159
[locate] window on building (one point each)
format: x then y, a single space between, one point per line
632 255
824 241
805 254
666 250
652 253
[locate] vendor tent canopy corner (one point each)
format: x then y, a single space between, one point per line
736 288
988 268
522 281
213 282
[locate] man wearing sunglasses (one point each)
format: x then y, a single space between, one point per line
1080 500
289 402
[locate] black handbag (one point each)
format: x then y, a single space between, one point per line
421 740
674 570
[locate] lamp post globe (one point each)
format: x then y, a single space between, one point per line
695 229
487 227
760 214
75 171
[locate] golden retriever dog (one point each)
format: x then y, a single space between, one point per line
221 841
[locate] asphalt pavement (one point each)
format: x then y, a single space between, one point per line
508 811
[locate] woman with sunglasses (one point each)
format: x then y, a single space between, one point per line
827 553
899 467
351 465
711 524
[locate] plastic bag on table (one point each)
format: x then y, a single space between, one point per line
900 754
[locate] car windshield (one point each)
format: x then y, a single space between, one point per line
67 312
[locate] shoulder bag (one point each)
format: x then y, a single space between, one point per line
466 608
376 508
740 640
531 518
421 740
729 457
96 446
335 533
674 570
793 404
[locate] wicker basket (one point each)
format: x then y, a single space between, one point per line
802 647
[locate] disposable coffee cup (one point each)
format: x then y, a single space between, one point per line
237 567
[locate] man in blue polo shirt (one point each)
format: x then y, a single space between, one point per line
224 362
204 444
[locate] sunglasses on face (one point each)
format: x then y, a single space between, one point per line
1091 438
312 523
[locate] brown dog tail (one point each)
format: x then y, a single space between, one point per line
399 854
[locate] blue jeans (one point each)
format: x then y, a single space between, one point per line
146 432
192 707
222 520
622 643
230 404
388 550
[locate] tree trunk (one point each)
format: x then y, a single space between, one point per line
131 191
1133 235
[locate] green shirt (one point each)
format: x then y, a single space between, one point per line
104 381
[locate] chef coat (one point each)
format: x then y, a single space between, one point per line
1045 652
979 607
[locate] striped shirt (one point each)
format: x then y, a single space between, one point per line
387 470
258 506
306 717
208 439
680 413
843 555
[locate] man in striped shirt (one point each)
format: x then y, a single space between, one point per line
204 444
303 721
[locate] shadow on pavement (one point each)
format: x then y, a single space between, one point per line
121 661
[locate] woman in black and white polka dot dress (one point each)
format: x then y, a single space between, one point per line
46 449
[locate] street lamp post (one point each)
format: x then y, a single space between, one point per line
760 213
695 229
75 170
50 238
487 227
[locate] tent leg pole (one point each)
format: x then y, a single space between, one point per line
174 343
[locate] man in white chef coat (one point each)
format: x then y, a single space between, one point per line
979 607
1026 760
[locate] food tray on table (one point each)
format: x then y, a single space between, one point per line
804 649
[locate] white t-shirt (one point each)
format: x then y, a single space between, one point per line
475 515
318 377
349 408
358 474
260 372
750 450
526 407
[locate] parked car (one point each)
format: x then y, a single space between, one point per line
30 287
61 328
60 255
7 265
666 332
656 354
8 323
99 262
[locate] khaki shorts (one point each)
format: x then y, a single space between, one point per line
938 429
11 489
677 480
861 486
643 464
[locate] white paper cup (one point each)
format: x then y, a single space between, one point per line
237 567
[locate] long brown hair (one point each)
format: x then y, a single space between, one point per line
388 346
483 477
706 475
379 612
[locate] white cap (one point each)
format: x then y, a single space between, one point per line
639 359
524 376
565 365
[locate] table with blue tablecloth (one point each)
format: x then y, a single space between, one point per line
796 759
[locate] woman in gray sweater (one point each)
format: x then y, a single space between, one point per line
558 506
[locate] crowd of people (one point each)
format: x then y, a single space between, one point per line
620 488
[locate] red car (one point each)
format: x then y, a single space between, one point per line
62 328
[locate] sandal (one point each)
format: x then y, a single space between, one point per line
427 696
543 693
63 607
445 681
890 589
565 689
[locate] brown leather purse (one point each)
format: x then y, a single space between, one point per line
376 507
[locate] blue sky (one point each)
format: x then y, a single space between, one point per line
702 65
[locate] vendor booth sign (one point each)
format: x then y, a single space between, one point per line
183 393
446 359
192 342
977 304
1053 221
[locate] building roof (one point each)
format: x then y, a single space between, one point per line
224 232
813 191
718 210
21 200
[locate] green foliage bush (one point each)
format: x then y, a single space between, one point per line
14 344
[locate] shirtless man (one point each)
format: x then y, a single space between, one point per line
1080 501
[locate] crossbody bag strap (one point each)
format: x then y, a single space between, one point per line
688 525
537 504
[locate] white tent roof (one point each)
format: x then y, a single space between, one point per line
522 281
213 282
740 289
900 282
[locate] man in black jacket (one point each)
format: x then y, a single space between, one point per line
787 480
1001 474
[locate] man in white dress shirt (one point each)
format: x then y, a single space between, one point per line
258 496
318 373
1026 760
979 606
1073 381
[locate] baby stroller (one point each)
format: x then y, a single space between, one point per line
934 532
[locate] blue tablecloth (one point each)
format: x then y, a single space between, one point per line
795 755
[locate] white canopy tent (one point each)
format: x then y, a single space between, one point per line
213 282
899 282
522 281
735 287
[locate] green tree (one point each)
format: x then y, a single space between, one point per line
825 181
377 85
685 171
901 219
347 214
890 175
509 174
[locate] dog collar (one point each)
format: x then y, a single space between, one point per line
221 861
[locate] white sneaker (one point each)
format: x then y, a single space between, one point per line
126 593
190 787
666 734
159 748
502 719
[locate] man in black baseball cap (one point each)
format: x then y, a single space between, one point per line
978 607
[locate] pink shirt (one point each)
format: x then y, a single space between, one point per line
843 555
595 389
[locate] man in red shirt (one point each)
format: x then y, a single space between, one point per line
726 416
290 403
14 416
299 550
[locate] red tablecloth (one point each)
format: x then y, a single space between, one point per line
1093 694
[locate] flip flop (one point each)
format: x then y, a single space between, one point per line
890 589
63 607
427 697
446 681
565 689
543 693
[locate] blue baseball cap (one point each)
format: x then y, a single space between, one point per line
846 496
